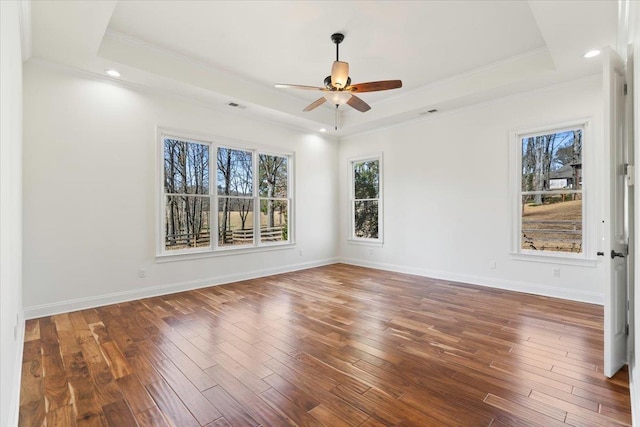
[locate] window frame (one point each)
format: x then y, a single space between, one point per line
214 248
259 198
352 238
587 256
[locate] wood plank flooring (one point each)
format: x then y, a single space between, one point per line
331 346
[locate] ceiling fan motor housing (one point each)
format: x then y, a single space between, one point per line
328 85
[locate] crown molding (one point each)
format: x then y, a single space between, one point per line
177 95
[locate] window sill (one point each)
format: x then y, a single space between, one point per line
221 252
362 242
555 259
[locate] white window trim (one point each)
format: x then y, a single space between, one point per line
214 250
589 226
352 237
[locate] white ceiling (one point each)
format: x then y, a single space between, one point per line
447 53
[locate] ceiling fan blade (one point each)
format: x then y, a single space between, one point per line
358 104
339 74
315 104
375 86
285 86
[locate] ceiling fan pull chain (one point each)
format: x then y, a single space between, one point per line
336 122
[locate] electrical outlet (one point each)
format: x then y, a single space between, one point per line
142 273
556 272
370 251
492 264
300 252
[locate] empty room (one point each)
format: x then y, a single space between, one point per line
318 213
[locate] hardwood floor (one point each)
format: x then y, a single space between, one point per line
331 346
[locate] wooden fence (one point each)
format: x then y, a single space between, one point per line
188 240
553 235
267 234
233 237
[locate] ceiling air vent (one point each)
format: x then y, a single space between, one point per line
236 105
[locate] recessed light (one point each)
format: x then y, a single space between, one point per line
111 72
591 53
323 130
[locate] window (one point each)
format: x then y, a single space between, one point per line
366 199
249 206
186 194
235 197
274 202
550 203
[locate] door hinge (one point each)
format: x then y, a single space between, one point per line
625 89
629 174
626 330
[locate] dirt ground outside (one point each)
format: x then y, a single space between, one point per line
552 227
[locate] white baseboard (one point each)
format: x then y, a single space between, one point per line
14 406
117 297
97 301
510 285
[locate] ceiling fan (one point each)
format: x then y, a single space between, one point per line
338 88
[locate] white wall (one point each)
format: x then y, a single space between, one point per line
10 212
446 188
90 193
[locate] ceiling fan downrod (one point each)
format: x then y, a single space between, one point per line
337 39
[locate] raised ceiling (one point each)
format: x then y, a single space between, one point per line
447 53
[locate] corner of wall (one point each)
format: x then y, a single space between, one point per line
11 313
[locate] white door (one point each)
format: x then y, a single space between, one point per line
615 216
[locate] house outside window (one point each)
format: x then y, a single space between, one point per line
366 199
248 205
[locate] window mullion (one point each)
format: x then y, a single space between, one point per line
213 193
256 199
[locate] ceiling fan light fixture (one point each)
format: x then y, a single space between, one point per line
337 97
339 74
